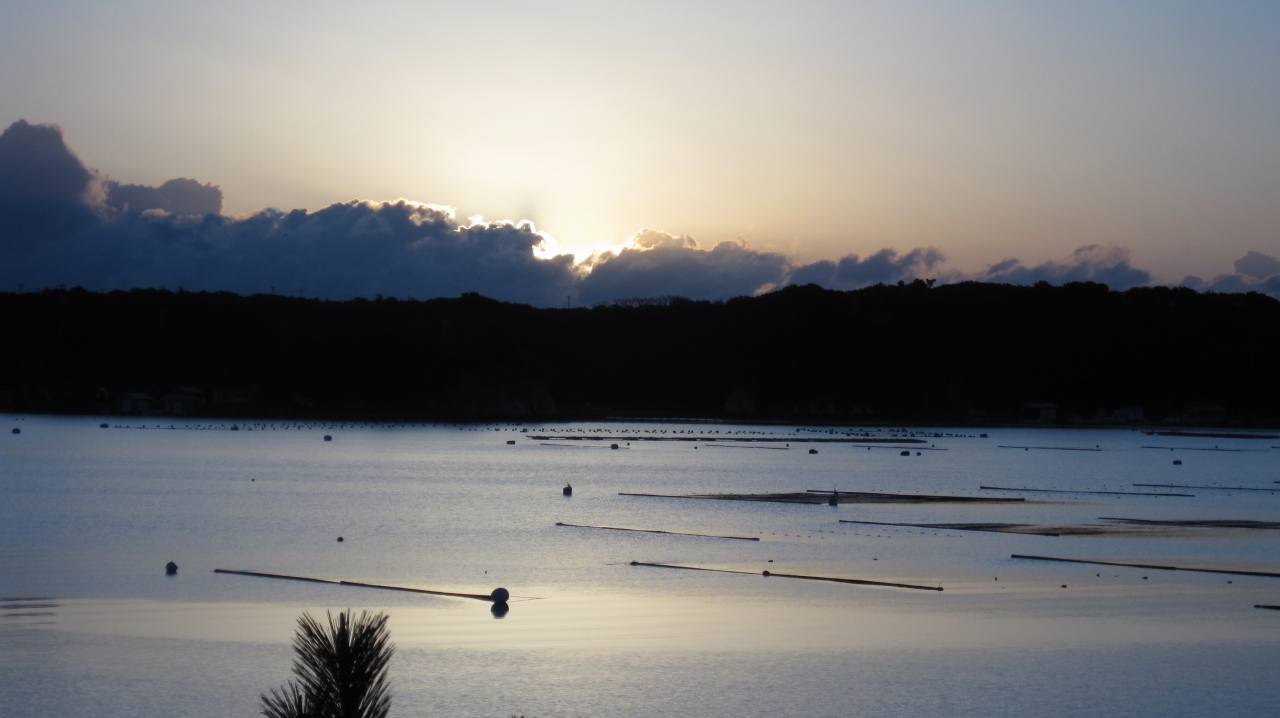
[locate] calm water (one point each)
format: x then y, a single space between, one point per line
91 625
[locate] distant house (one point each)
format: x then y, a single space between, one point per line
138 402
235 397
1039 411
1203 414
184 401
1129 414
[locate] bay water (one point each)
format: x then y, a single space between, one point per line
90 624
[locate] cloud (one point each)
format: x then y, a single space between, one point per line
177 196
658 263
46 193
1258 265
62 223
1255 272
883 267
1109 265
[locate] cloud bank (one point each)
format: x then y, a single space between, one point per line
1255 272
64 224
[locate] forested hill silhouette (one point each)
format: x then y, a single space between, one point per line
967 352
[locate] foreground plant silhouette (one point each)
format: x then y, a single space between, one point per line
340 671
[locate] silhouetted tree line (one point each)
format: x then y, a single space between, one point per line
958 352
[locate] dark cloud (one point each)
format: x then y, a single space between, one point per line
46 193
663 264
62 223
66 225
178 196
342 251
1090 263
1258 265
883 267
1255 272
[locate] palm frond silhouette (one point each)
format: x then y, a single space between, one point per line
340 670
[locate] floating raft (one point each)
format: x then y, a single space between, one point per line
1053 448
1212 435
1069 491
1118 527
854 581
738 439
1217 488
259 574
1195 448
1152 567
844 497
656 531
987 527
1200 523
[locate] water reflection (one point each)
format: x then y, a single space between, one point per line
499 610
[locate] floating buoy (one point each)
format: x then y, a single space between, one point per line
171 568
917 453
766 574
982 436
568 490
102 426
832 501
513 443
906 453
1177 462
339 539
500 595
328 438
614 446
813 451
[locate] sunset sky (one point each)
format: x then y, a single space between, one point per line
988 131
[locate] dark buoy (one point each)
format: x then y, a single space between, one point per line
171 569
1177 462
328 438
235 428
905 453
615 446
982 436
512 442
833 501
813 451
766 574
339 539
500 595
17 431
568 490
917 453
102 426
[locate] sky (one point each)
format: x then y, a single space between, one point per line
701 148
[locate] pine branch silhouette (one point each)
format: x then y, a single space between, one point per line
340 670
